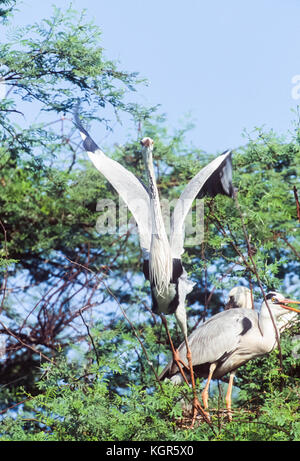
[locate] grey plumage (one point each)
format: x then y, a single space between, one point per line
162 255
219 339
230 338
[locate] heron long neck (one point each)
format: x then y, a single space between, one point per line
160 259
266 326
248 301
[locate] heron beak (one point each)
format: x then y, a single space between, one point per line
289 301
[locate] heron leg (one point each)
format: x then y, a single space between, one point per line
204 394
175 353
228 395
196 404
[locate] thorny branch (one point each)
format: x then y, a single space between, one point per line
254 269
6 271
90 336
53 313
126 317
297 202
280 235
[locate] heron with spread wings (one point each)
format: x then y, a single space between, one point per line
162 263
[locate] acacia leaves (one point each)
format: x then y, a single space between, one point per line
76 299
59 60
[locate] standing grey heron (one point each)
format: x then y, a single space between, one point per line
240 296
229 339
162 264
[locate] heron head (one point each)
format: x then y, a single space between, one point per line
239 297
147 148
280 304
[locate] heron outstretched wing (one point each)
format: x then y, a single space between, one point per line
213 179
128 186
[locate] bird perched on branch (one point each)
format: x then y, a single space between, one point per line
162 263
229 339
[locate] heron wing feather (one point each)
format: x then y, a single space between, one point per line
214 178
216 337
128 186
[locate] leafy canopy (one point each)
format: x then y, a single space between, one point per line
75 310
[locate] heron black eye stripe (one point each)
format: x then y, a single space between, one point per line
270 296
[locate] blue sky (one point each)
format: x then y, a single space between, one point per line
230 64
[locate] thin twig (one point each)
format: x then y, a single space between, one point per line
280 235
232 242
135 333
6 270
10 333
258 278
124 314
16 404
90 336
297 202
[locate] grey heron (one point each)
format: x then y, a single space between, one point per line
229 339
162 264
240 296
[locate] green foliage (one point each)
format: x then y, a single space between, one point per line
6 7
59 60
49 66
82 346
70 391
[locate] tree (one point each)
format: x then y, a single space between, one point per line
6 6
75 309
54 64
